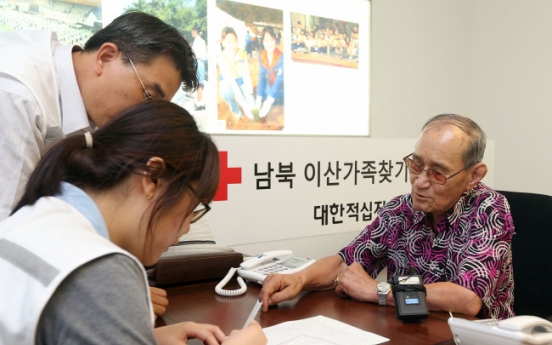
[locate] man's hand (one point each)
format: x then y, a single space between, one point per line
280 287
180 333
357 284
318 276
159 301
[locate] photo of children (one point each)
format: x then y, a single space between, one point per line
270 88
250 67
235 81
324 41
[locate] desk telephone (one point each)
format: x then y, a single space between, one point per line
513 331
258 267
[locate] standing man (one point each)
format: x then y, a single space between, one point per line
452 230
49 90
200 50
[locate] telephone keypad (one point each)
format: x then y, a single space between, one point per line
275 268
278 267
488 322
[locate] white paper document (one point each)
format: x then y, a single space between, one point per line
319 330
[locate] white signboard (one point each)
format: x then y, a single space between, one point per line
282 188
275 188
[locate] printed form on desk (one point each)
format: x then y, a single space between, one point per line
319 330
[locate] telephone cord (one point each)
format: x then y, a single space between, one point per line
219 288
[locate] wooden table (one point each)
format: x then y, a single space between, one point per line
199 303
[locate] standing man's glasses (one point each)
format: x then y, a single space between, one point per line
147 96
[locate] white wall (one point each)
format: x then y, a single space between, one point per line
421 53
490 60
511 92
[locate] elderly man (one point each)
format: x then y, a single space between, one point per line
452 230
49 90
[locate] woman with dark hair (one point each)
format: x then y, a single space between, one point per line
270 88
97 209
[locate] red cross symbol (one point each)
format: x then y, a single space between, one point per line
227 176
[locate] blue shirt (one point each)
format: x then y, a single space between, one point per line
77 198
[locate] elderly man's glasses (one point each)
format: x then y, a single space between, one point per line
433 175
198 214
147 96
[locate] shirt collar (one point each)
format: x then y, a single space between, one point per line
77 198
452 216
73 111
456 212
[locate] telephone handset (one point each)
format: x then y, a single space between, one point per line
516 330
258 267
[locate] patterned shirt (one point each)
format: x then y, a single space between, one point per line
471 246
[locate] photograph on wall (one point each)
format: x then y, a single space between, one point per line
190 19
324 41
265 44
73 21
250 66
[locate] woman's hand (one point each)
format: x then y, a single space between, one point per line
159 301
180 333
250 335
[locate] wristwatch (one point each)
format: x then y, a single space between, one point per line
383 289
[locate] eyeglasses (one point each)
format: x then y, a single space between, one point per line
146 93
433 175
198 214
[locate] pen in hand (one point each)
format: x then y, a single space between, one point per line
254 312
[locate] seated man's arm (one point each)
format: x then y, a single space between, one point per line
447 296
483 286
318 276
483 265
442 296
